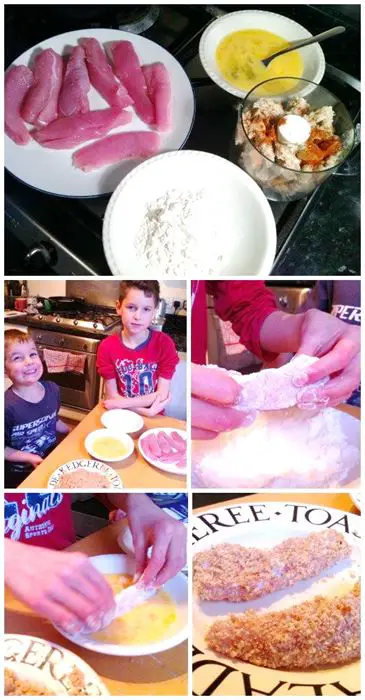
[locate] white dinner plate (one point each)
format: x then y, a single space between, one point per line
52 170
120 419
92 466
265 525
38 660
246 230
171 468
356 499
177 588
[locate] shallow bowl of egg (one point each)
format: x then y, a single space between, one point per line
109 445
158 624
232 47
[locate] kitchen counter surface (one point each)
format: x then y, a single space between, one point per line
134 472
159 674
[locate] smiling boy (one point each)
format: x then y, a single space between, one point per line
137 363
31 409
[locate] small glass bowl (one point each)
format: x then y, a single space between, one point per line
278 182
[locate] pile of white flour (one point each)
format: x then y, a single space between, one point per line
182 234
290 448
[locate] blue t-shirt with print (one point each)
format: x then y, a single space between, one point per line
31 427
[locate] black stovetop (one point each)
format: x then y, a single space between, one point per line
310 239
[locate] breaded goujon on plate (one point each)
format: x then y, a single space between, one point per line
236 573
317 633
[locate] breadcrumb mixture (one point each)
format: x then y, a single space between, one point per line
83 478
321 151
236 573
14 685
318 633
19 686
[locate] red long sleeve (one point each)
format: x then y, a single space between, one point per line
245 305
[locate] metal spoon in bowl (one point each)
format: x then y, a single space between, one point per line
304 42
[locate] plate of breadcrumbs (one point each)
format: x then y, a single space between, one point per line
276 607
84 474
36 667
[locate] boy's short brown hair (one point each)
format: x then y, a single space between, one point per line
13 336
150 288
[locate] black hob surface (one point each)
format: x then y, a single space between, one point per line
46 234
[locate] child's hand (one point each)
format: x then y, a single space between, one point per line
30 458
156 408
62 427
61 586
115 402
214 395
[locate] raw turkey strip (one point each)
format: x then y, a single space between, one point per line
40 106
113 149
76 84
102 77
317 633
273 389
236 573
159 91
18 80
129 72
67 132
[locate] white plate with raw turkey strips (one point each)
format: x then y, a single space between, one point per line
165 448
54 169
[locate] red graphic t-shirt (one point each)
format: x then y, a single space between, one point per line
41 519
137 370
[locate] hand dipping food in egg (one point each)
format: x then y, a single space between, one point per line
145 624
239 57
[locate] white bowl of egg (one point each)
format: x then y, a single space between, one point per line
160 623
109 445
231 49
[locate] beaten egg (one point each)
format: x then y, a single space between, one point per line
146 624
239 57
109 447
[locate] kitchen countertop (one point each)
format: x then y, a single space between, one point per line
154 675
134 472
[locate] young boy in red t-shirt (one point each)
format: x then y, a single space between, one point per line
137 363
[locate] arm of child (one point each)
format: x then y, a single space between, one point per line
134 402
114 400
163 388
62 427
12 455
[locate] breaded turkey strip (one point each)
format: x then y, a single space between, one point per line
317 633
236 573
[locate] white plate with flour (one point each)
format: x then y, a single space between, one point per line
265 525
282 449
188 214
54 172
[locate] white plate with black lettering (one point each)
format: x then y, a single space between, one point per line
93 466
265 525
54 172
43 663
